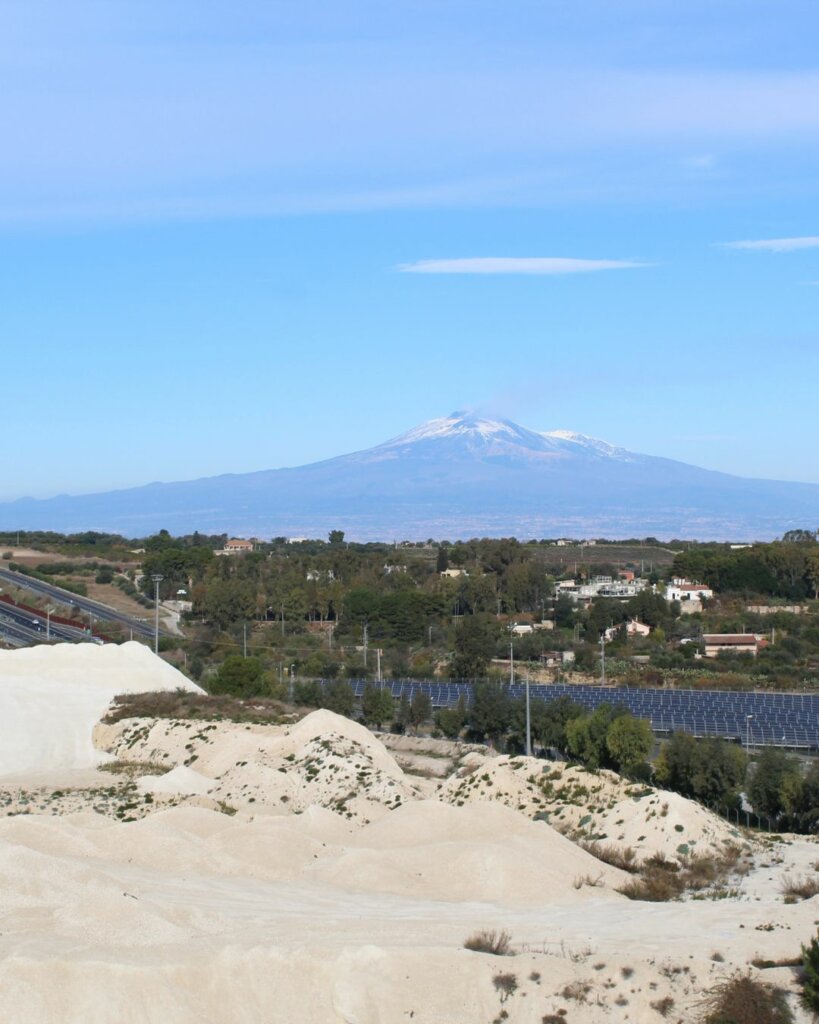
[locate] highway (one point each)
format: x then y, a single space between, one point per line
39 626
66 597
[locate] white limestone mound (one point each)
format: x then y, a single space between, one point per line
593 806
324 760
52 696
469 853
178 781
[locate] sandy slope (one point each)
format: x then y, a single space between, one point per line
335 890
51 696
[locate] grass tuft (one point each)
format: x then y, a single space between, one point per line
496 943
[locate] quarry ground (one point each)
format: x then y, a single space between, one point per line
311 871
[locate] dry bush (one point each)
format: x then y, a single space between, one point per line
661 879
497 943
613 855
593 881
742 1000
801 888
577 991
133 768
663 1006
202 706
506 985
654 885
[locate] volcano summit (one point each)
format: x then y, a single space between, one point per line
457 476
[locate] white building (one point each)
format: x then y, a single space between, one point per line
682 590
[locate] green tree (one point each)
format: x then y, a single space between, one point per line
475 641
420 709
402 714
377 705
629 741
336 538
338 696
720 772
239 677
442 559
771 787
550 720
677 764
490 711
451 721
810 978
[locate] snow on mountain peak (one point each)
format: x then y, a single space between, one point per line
480 433
463 425
593 443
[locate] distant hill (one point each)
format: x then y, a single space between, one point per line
458 476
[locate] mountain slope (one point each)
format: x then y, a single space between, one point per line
457 476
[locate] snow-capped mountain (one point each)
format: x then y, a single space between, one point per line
461 475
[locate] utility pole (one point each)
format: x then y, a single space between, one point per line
378 664
244 639
511 665
157 578
602 659
365 644
282 618
528 721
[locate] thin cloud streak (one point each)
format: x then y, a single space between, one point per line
543 265
776 244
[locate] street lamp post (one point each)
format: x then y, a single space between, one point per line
48 623
528 721
157 578
748 733
602 659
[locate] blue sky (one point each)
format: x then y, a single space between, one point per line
237 236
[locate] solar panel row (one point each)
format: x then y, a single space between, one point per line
780 719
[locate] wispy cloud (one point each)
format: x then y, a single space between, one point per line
777 244
516 265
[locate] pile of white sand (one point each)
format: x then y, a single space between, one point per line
593 806
193 916
324 760
350 898
52 696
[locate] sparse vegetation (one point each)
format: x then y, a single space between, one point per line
802 888
184 704
624 859
741 999
496 943
506 985
661 880
810 979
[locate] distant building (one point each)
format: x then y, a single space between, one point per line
600 586
237 546
521 628
682 590
636 628
741 643
454 573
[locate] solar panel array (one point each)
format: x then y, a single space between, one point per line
779 719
